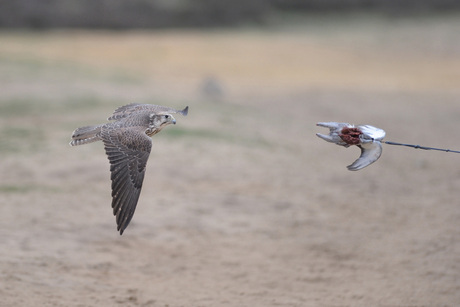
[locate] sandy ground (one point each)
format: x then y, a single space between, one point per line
242 204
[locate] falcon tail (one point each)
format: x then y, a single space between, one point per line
85 135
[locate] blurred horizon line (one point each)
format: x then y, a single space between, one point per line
144 14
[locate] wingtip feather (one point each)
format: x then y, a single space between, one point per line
184 111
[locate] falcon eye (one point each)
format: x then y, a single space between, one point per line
166 116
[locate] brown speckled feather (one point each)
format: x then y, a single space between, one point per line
128 150
127 110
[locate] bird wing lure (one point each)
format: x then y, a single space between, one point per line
368 138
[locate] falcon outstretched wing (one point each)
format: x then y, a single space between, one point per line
370 152
128 150
127 110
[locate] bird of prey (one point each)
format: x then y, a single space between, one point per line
127 144
366 137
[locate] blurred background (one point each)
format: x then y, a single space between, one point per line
242 204
120 14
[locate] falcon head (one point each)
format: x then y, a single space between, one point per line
158 122
162 120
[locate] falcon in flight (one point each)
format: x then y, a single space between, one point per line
367 138
127 144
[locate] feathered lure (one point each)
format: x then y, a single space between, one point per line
368 138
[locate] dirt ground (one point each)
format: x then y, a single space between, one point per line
242 204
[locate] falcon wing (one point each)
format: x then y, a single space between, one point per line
128 150
370 152
127 110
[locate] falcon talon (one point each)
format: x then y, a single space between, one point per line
367 138
127 144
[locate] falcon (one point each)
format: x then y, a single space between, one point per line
127 142
367 138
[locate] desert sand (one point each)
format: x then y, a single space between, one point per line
242 205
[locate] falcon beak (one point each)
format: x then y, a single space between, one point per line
173 121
